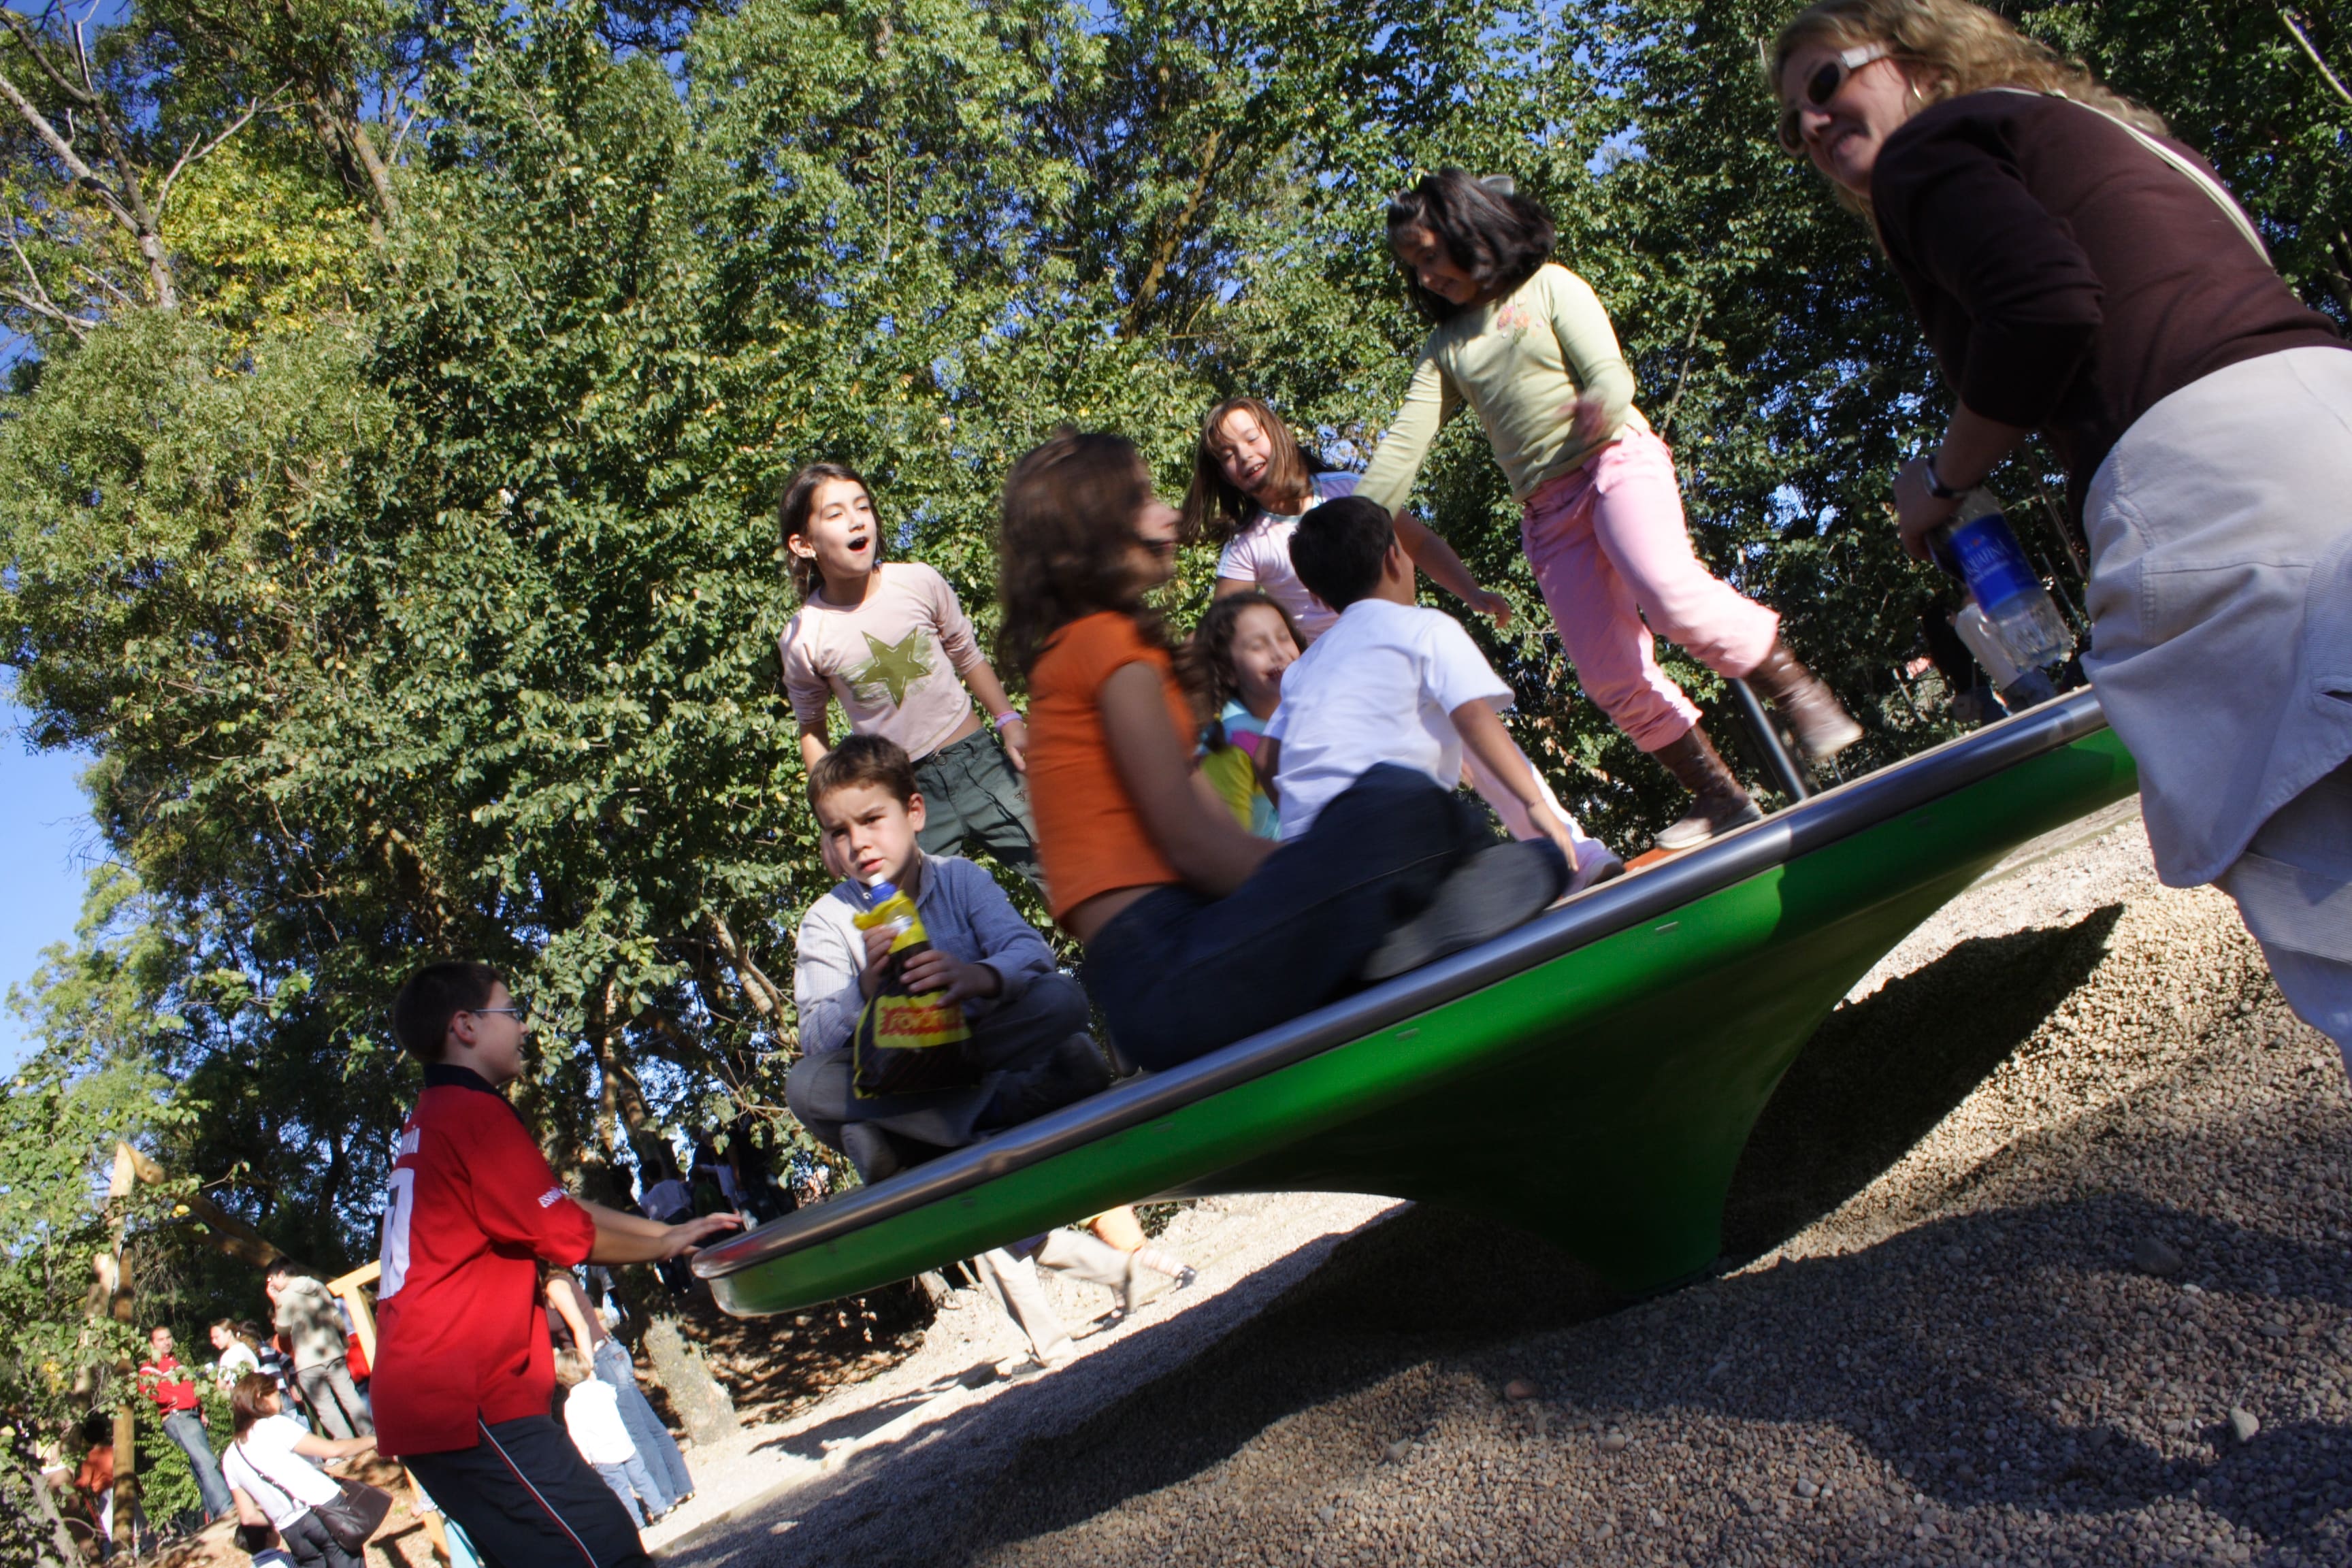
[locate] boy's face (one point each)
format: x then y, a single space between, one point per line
867 833
489 1038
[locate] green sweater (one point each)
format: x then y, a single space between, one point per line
1521 361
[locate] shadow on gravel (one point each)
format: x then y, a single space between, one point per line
1432 1283
1877 1076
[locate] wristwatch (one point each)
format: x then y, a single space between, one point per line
1937 488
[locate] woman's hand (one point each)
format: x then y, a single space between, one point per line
1014 733
1919 511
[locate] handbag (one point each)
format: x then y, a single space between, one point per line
354 1516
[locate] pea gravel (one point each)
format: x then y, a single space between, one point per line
2038 1255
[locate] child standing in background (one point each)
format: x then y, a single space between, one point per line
1233 667
891 643
592 1414
1527 344
1252 482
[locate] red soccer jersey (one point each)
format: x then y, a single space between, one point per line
460 1334
168 1382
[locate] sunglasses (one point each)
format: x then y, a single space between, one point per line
1828 77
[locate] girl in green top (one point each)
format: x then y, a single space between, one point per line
1526 344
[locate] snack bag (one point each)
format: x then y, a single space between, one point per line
907 1044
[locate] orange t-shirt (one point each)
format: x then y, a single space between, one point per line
1089 838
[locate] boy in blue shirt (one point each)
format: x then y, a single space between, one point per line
1028 1019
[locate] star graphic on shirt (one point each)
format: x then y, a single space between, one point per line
894 666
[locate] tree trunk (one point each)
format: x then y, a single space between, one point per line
700 1402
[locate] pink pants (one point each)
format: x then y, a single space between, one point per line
1609 549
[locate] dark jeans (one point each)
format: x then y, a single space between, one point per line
528 1500
973 797
1018 1038
308 1542
1178 975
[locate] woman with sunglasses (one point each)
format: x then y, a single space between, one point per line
2080 275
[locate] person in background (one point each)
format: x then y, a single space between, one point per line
174 1393
569 1305
466 1372
1029 1043
1120 1228
271 1476
1196 934
313 1321
591 1415
893 646
2079 273
1527 345
237 1355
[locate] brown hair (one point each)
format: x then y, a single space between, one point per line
1206 663
572 1369
792 518
863 759
421 1014
1063 542
1214 509
1947 48
244 1401
1496 235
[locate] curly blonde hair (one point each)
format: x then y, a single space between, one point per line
1950 47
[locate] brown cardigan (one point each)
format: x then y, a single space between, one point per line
2067 278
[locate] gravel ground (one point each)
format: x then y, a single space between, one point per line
2037 1257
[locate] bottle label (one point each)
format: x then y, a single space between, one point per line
1992 562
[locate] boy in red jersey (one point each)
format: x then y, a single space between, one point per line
463 1370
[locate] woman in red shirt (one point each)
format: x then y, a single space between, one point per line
1197 933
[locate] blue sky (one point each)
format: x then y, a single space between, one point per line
46 838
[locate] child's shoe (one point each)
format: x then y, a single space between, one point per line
1718 804
1489 893
1824 727
1596 863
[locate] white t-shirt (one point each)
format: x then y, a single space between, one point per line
592 1414
264 1465
236 1361
1380 686
1260 553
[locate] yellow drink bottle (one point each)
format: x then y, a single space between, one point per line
906 1043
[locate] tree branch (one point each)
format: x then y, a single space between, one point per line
2288 20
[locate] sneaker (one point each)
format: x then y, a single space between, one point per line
1599 864
1144 1286
1492 890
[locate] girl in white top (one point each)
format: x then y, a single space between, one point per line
1251 484
237 1357
270 1476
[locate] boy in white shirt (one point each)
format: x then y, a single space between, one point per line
592 1414
1393 682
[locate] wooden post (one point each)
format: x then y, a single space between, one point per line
118 1186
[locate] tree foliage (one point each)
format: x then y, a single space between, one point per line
388 510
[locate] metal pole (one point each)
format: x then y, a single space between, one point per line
1784 769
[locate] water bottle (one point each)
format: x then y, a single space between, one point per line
1980 548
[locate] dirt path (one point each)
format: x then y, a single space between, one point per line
2043 1259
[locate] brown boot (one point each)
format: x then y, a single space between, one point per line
1824 727
1720 805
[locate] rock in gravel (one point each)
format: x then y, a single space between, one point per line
1612 1441
2242 1423
1519 1388
2152 1254
1400 1450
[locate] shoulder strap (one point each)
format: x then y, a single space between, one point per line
2205 182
